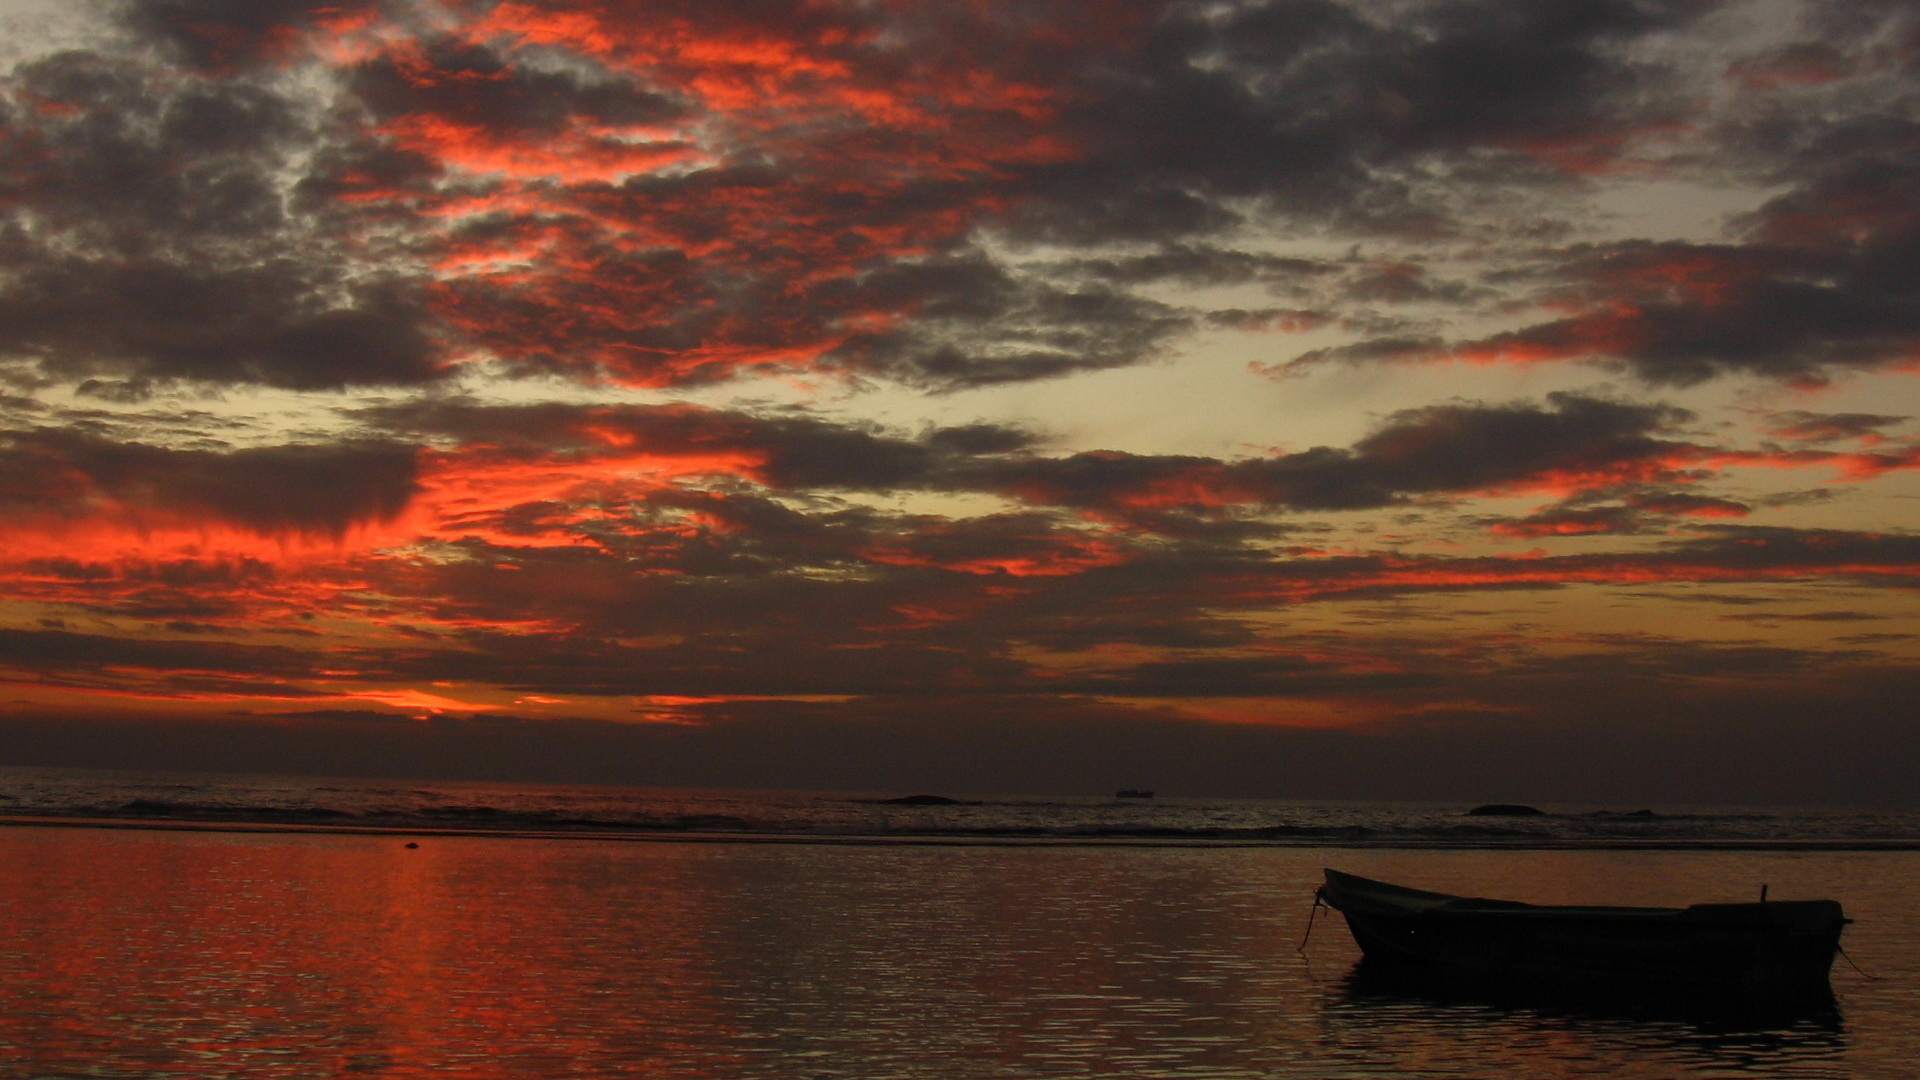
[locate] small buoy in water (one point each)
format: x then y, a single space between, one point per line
411 844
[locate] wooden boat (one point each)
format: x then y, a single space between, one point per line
1766 947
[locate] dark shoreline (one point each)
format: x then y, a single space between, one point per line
630 834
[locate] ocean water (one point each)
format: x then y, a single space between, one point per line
176 799
213 940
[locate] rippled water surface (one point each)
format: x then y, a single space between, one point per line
212 954
532 809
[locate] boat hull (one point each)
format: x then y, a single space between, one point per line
1764 947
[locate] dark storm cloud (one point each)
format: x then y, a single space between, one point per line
1635 511
752 627
903 630
829 229
902 610
1805 62
203 574
1679 314
981 438
658 316
793 451
826 224
270 490
159 319
363 170
1710 553
146 237
1457 447
1686 504
972 322
1890 557
1201 265
1573 521
1271 318
222 34
1816 282
1375 350
1439 449
1812 616
774 634
471 85
1573 445
773 600
1331 111
1177 119
65 654
1802 426
125 156
847 242
750 595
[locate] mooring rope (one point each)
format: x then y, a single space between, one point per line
1318 903
1842 950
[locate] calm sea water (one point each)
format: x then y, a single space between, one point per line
529 809
211 953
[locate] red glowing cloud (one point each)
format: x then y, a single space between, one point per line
702 195
349 352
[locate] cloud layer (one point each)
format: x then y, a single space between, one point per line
693 370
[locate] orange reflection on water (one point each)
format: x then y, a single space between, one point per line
202 954
210 954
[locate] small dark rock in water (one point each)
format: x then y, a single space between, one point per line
1506 810
411 844
922 800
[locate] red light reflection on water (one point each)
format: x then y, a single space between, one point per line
280 955
195 954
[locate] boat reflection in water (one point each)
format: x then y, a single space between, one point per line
1472 1027
1376 985
1768 956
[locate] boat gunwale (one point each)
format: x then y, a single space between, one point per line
1384 898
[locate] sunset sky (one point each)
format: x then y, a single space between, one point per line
1293 398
